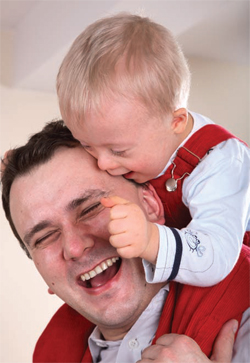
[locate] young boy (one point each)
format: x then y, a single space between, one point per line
123 90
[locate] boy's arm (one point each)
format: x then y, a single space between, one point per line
217 194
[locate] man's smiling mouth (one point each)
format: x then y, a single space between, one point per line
101 274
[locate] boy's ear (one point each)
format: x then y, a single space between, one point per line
180 120
152 205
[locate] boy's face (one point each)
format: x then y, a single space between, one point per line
126 140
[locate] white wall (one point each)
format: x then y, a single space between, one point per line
25 305
220 91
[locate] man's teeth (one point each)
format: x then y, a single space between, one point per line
99 269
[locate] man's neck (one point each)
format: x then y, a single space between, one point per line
113 333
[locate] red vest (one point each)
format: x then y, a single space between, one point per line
195 311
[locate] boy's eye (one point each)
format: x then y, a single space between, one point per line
118 153
86 147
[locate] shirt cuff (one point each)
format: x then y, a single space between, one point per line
165 259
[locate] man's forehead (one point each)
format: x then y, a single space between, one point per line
72 162
66 166
70 173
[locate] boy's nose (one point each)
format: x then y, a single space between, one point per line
106 163
74 245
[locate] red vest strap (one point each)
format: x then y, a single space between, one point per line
177 215
204 139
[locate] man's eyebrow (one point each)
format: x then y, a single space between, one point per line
87 196
36 228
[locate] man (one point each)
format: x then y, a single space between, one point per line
51 195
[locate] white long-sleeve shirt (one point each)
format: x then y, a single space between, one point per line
217 194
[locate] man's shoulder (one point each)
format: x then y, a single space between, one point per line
65 338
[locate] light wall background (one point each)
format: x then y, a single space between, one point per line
220 90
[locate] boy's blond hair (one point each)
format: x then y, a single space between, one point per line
124 55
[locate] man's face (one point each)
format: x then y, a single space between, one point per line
57 212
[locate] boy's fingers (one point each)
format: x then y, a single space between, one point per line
116 226
110 202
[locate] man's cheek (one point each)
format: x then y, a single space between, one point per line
99 226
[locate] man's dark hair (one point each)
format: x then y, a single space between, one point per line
21 160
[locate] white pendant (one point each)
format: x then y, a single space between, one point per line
171 185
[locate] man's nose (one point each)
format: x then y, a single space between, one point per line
75 244
106 162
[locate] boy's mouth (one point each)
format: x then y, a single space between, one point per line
128 175
101 274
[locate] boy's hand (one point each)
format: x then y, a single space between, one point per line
131 234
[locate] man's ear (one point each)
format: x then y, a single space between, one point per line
152 205
51 292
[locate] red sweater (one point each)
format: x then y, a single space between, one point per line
195 311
